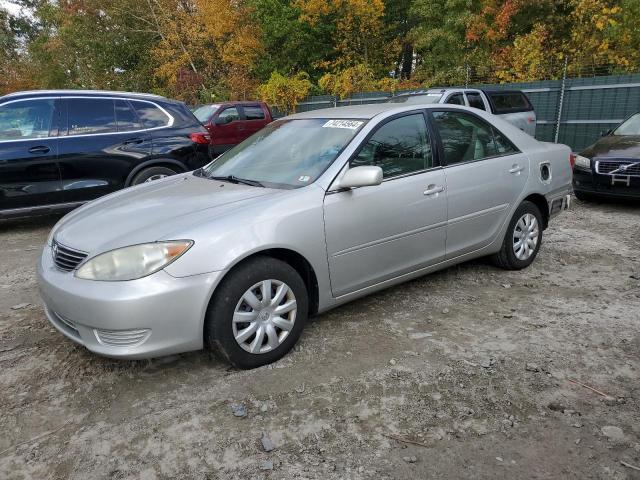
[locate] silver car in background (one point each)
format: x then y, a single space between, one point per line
512 106
313 211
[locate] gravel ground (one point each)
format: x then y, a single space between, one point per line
466 373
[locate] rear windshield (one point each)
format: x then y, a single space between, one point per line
509 102
205 112
417 99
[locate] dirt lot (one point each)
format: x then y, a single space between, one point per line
472 365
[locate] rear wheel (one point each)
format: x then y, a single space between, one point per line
257 313
152 173
522 240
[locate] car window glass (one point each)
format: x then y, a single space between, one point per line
253 113
464 137
509 102
630 127
398 147
475 100
91 115
205 112
26 119
150 115
125 117
231 113
456 99
503 144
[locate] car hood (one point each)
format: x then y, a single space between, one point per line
614 146
159 210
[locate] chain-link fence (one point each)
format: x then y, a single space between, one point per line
570 110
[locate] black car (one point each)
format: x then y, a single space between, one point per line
611 166
59 149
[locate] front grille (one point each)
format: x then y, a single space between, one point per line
122 338
618 167
66 258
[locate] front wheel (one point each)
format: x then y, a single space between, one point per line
152 173
257 313
522 240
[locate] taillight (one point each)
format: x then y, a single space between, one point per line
531 119
200 138
572 159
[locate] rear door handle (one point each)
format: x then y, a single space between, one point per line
515 169
132 141
434 189
40 149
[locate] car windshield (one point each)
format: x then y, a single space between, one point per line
417 98
204 113
630 127
286 153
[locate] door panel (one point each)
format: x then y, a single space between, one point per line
95 158
380 232
254 119
485 175
377 233
228 133
29 174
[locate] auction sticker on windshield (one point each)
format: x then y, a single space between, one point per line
350 124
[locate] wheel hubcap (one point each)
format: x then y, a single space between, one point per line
525 236
264 316
155 177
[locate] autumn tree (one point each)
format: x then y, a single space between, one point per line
285 93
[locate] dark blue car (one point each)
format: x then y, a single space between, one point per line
59 149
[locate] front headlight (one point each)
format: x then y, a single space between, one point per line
583 162
131 263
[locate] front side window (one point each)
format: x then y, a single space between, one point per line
464 137
456 99
150 114
91 115
253 113
26 119
286 153
630 127
475 100
229 114
399 147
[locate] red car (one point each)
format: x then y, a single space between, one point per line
229 123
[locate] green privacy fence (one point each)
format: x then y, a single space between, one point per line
575 110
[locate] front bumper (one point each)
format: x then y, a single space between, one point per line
591 183
150 317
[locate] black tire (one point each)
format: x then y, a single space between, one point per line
218 329
148 173
506 257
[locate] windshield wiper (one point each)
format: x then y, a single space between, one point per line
234 179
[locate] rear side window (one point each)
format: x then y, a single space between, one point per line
455 99
126 117
26 119
503 144
253 113
465 138
475 100
509 102
150 114
399 147
91 115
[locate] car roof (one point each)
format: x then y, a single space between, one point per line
359 111
89 93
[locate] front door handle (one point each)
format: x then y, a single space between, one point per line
516 169
434 189
41 149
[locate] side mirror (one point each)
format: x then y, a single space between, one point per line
604 133
359 177
223 120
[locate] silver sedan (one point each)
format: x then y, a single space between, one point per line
315 210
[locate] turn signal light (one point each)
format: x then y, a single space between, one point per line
572 159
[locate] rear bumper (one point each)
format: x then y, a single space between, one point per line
558 202
591 183
150 317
